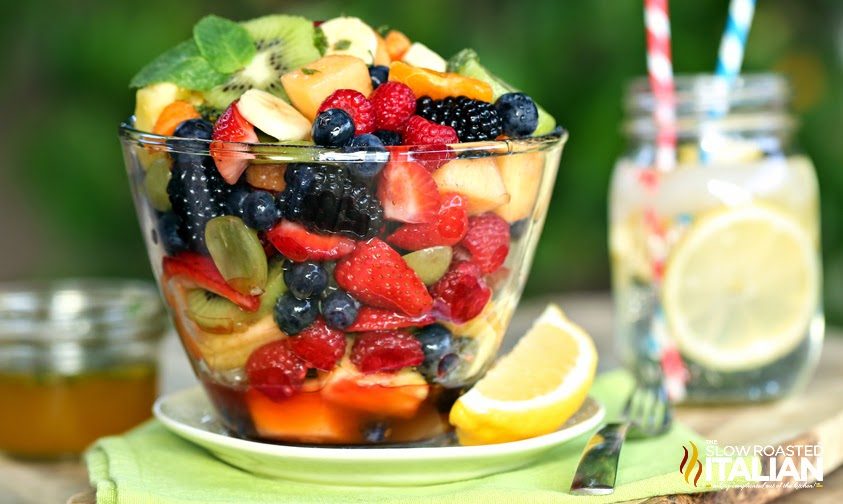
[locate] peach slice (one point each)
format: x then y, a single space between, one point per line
306 417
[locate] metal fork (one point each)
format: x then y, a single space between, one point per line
647 413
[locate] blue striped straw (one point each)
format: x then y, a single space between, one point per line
730 56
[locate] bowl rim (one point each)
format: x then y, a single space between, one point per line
286 152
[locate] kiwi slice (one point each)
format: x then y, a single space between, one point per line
430 263
466 62
237 253
283 43
216 314
275 287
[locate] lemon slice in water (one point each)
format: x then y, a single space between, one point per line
740 289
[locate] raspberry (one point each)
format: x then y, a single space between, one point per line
275 370
358 107
461 294
394 103
386 351
319 345
487 240
420 131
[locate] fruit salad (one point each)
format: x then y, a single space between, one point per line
340 220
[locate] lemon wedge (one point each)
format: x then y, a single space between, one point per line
534 389
741 288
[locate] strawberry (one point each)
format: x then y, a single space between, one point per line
377 319
319 345
231 127
202 271
356 105
408 193
275 371
298 244
461 294
386 351
377 275
448 228
487 240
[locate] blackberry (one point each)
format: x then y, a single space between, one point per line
327 199
198 194
473 120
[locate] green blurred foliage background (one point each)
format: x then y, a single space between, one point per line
64 202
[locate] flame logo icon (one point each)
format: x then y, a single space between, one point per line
690 461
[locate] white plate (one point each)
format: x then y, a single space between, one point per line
189 414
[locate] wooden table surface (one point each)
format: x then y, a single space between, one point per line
55 482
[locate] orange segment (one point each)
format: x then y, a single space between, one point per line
173 115
306 417
269 177
396 44
438 85
390 395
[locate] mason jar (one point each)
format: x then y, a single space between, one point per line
716 266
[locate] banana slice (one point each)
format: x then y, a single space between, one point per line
273 116
351 36
420 55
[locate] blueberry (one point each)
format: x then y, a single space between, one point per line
339 310
199 129
518 228
332 128
376 432
389 137
379 74
293 315
259 210
169 232
436 341
518 113
236 198
376 156
305 279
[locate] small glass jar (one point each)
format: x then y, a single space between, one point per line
77 362
716 261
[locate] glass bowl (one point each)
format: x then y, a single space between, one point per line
427 326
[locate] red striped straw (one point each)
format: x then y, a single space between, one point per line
660 70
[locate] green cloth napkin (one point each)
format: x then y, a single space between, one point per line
151 465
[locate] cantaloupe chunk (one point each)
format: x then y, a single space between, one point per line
397 395
477 179
305 417
522 176
308 86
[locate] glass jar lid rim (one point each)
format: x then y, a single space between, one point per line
80 310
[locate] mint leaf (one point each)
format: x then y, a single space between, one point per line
225 44
342 45
183 66
320 41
